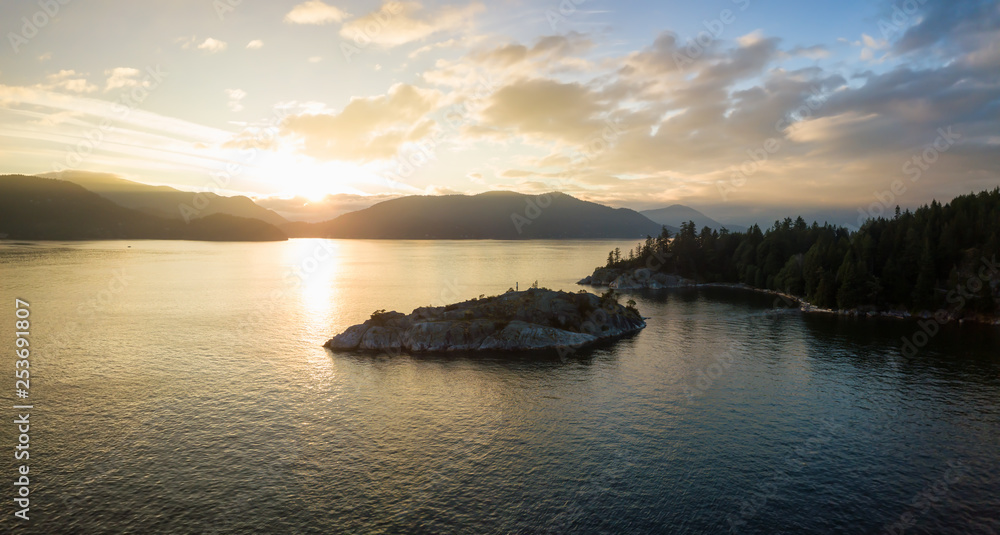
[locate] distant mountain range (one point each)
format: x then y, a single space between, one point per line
164 201
673 216
499 215
35 208
83 205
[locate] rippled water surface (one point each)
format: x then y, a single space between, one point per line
181 387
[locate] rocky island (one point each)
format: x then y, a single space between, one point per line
531 320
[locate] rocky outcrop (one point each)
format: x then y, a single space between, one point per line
534 319
633 279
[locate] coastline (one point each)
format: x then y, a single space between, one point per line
650 282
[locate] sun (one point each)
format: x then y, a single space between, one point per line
294 175
312 192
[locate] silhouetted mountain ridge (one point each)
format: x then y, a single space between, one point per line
499 215
35 208
677 214
164 201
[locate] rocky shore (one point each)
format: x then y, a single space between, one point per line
628 279
532 320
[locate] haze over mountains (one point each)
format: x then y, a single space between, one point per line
673 216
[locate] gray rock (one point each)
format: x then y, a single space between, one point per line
381 338
521 336
349 339
625 282
516 321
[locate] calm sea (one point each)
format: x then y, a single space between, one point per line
181 387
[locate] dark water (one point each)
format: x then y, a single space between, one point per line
192 396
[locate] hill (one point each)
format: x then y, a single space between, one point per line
34 208
675 215
498 215
164 201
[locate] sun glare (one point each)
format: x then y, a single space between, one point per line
292 174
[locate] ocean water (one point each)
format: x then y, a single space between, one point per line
182 387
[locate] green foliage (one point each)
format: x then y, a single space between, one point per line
911 260
609 297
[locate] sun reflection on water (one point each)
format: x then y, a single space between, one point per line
315 264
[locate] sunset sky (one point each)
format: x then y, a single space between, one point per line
637 104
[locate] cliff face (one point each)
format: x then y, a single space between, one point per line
534 319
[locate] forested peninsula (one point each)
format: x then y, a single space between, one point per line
938 259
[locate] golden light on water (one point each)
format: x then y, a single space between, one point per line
315 264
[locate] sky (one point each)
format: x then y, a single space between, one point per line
746 109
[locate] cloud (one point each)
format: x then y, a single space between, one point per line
870 46
367 129
872 43
256 44
554 53
811 52
38 121
949 25
315 12
209 45
45 57
398 23
212 46
68 80
545 109
124 77
450 43
235 97
315 59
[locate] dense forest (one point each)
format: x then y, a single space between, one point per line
937 257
